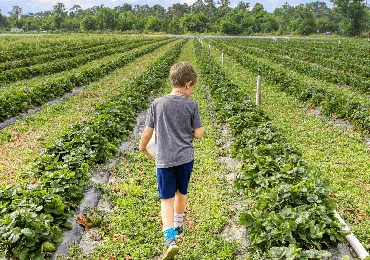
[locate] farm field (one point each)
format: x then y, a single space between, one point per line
276 172
339 149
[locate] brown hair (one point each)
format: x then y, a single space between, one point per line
181 73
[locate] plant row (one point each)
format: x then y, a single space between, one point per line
314 71
48 48
65 64
24 43
291 207
18 101
32 218
332 103
68 53
330 59
351 49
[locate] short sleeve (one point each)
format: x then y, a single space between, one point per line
196 122
150 117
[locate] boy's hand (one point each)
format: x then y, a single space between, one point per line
147 154
145 138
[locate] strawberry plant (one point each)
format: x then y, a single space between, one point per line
68 53
15 102
333 103
313 70
49 47
64 64
348 60
32 217
291 208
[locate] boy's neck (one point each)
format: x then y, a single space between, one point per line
177 92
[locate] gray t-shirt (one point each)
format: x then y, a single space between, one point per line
173 118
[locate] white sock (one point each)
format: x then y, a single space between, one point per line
179 220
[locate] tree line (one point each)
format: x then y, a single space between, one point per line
350 18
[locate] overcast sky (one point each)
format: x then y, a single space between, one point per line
44 5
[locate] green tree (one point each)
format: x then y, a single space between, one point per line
142 10
174 26
30 23
126 7
178 10
269 24
88 23
284 16
107 19
320 9
59 14
229 27
258 14
242 6
354 13
76 12
224 3
3 21
305 22
126 21
15 15
325 24
198 7
194 22
232 23
48 23
71 24
153 24
157 11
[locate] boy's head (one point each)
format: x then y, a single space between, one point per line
182 74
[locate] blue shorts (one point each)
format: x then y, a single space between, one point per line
174 179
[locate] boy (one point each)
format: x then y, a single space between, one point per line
176 120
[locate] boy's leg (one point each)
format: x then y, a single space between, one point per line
166 180
183 173
180 203
166 192
167 213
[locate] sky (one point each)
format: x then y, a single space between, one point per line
34 6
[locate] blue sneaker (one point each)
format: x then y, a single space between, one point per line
171 249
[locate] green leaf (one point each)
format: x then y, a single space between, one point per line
27 232
48 247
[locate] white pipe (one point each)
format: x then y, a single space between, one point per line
258 92
352 240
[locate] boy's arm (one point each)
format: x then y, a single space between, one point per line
198 133
196 123
145 138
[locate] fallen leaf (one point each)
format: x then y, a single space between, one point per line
83 221
360 217
119 237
